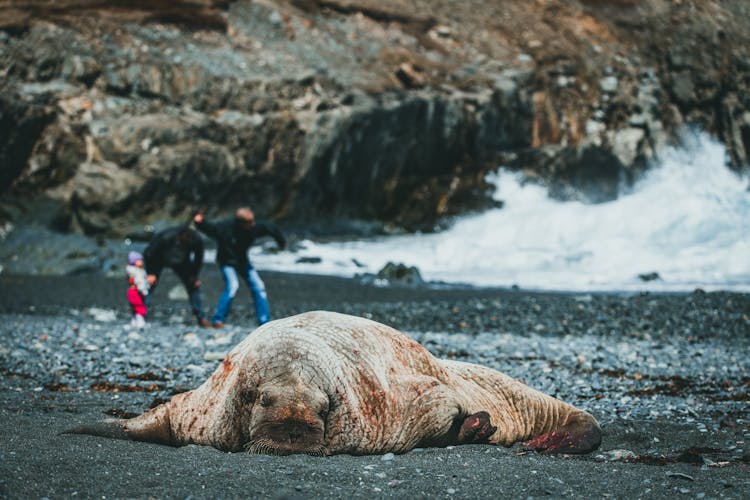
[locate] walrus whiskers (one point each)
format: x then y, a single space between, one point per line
267 447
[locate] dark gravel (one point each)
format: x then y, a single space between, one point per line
666 375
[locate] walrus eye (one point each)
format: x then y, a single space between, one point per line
323 413
248 396
265 399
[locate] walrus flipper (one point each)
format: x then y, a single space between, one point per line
580 434
153 426
476 428
110 428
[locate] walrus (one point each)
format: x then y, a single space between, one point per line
325 383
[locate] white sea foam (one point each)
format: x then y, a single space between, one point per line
687 220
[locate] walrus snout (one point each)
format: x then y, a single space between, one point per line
288 437
294 432
288 417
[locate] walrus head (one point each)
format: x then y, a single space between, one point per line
287 417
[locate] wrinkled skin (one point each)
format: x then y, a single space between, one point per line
323 383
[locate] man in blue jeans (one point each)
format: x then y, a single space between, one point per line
233 239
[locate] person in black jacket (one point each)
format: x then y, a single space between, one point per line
233 238
181 249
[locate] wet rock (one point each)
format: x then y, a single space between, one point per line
679 475
102 315
649 276
626 144
309 260
398 274
608 84
21 124
591 173
616 455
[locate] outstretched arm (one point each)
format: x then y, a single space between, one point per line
205 227
270 229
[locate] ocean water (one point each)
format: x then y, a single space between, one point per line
688 220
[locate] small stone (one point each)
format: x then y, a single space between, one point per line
608 84
680 475
615 455
192 340
214 356
275 18
388 457
219 340
102 315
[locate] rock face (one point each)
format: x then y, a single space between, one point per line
386 112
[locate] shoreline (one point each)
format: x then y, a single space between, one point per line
211 279
75 256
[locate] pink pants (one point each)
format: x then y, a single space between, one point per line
136 301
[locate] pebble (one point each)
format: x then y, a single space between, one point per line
219 340
680 475
103 315
192 340
214 355
615 455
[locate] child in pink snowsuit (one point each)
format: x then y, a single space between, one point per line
137 288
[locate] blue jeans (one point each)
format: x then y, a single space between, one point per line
231 285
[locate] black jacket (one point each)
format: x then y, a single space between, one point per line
234 241
184 254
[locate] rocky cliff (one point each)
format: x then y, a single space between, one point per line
336 114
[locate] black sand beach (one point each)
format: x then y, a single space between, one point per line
666 375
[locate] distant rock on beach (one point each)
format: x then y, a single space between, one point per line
394 274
